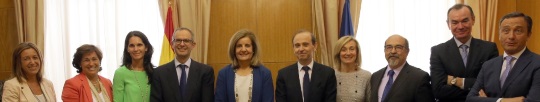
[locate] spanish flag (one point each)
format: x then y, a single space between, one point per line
167 52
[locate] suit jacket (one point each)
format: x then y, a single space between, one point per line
411 85
77 89
322 89
523 80
263 86
446 60
20 92
200 84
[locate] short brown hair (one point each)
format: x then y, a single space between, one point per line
527 19
458 7
17 63
255 59
313 39
85 49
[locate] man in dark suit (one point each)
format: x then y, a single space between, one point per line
306 80
515 76
399 81
456 63
183 79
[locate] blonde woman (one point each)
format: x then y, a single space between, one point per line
352 81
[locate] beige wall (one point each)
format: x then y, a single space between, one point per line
532 8
273 21
8 39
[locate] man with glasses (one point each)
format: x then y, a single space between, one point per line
399 81
183 79
455 64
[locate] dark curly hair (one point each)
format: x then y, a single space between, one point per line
85 49
147 64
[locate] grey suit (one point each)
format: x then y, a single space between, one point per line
523 80
411 85
200 84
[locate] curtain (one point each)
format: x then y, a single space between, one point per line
103 23
488 19
326 18
30 21
195 15
422 22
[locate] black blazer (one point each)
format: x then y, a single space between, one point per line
446 60
323 84
200 83
411 85
523 80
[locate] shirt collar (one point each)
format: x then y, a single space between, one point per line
458 43
516 55
310 65
188 63
397 70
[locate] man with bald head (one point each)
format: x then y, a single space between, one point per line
399 81
306 80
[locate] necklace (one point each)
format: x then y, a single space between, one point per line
143 92
249 89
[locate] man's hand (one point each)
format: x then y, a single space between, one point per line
481 93
514 99
449 81
459 81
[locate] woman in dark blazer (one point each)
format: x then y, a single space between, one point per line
246 79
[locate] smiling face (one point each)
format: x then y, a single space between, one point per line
90 64
30 61
136 48
244 50
304 47
513 34
460 22
348 53
183 44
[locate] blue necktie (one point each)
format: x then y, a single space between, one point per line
508 68
388 84
182 81
306 83
464 53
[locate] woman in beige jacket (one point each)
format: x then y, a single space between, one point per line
28 84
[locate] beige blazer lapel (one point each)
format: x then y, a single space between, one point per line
27 92
48 90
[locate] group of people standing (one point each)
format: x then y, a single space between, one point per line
462 69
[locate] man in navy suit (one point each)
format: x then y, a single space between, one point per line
306 80
515 76
456 63
183 79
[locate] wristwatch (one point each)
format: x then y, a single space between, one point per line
454 80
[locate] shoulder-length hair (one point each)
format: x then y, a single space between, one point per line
337 49
17 62
255 59
147 64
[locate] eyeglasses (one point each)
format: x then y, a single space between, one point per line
397 47
185 41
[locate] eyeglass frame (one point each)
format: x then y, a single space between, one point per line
398 48
185 41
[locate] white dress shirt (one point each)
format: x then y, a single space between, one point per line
301 74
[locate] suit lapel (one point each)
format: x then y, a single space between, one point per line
27 92
378 79
193 76
497 72
295 79
518 67
85 85
315 81
400 79
453 53
172 78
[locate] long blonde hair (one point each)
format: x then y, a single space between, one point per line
17 63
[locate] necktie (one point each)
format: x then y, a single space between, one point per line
508 68
388 84
306 83
464 53
182 80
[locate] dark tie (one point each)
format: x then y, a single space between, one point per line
388 84
464 53
306 83
182 81
508 69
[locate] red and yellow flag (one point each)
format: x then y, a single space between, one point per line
167 52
